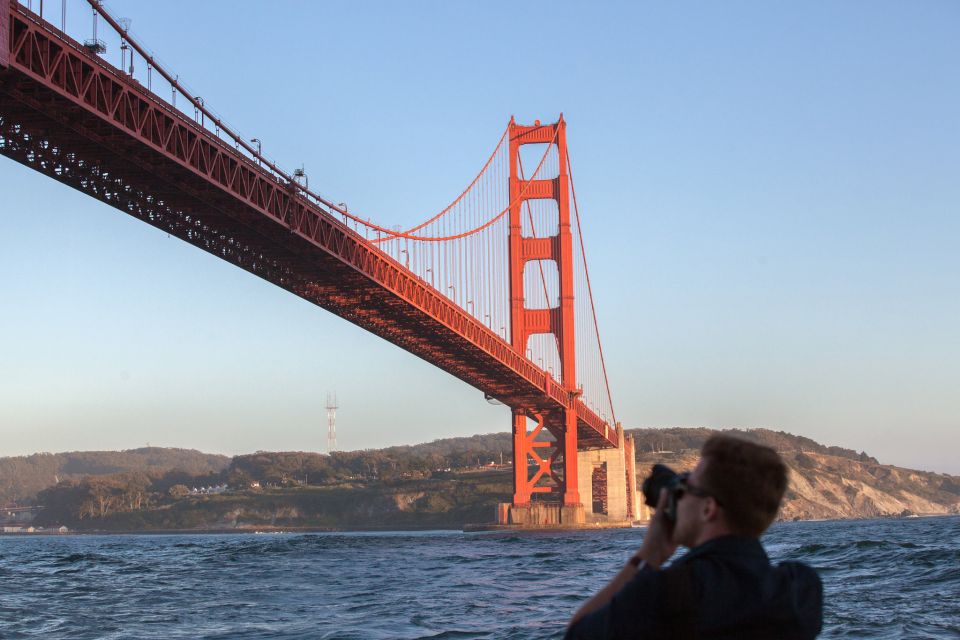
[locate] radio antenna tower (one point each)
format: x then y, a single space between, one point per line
331 422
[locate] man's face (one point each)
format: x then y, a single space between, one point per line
690 508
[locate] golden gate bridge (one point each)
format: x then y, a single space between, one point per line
493 289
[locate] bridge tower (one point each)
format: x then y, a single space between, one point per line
554 474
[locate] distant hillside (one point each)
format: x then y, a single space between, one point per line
21 478
461 451
445 483
490 446
681 438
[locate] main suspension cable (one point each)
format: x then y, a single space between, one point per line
460 197
255 153
392 235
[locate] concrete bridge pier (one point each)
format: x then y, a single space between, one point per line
608 484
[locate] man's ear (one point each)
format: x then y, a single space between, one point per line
710 511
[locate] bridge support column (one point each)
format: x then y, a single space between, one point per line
571 492
524 450
544 467
630 457
6 6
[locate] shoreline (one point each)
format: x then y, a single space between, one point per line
220 531
466 528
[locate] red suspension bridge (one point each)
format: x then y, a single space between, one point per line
494 288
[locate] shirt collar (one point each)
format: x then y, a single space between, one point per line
730 545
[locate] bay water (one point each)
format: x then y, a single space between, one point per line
890 578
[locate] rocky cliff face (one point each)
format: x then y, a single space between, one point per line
829 486
823 486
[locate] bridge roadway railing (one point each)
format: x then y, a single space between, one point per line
53 75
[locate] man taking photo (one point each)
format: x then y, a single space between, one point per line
725 586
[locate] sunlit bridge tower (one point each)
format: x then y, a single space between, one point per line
331 422
554 473
559 479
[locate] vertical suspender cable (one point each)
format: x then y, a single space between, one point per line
586 272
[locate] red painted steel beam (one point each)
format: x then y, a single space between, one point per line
539 248
533 134
72 116
539 189
5 19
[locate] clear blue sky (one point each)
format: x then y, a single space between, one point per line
771 196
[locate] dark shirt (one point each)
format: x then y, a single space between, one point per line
725 588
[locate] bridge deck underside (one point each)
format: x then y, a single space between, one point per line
53 134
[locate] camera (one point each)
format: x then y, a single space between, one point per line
662 477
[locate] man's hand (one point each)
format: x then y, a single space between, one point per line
658 544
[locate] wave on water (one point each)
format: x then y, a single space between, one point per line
91 558
882 579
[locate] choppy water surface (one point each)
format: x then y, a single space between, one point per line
883 579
